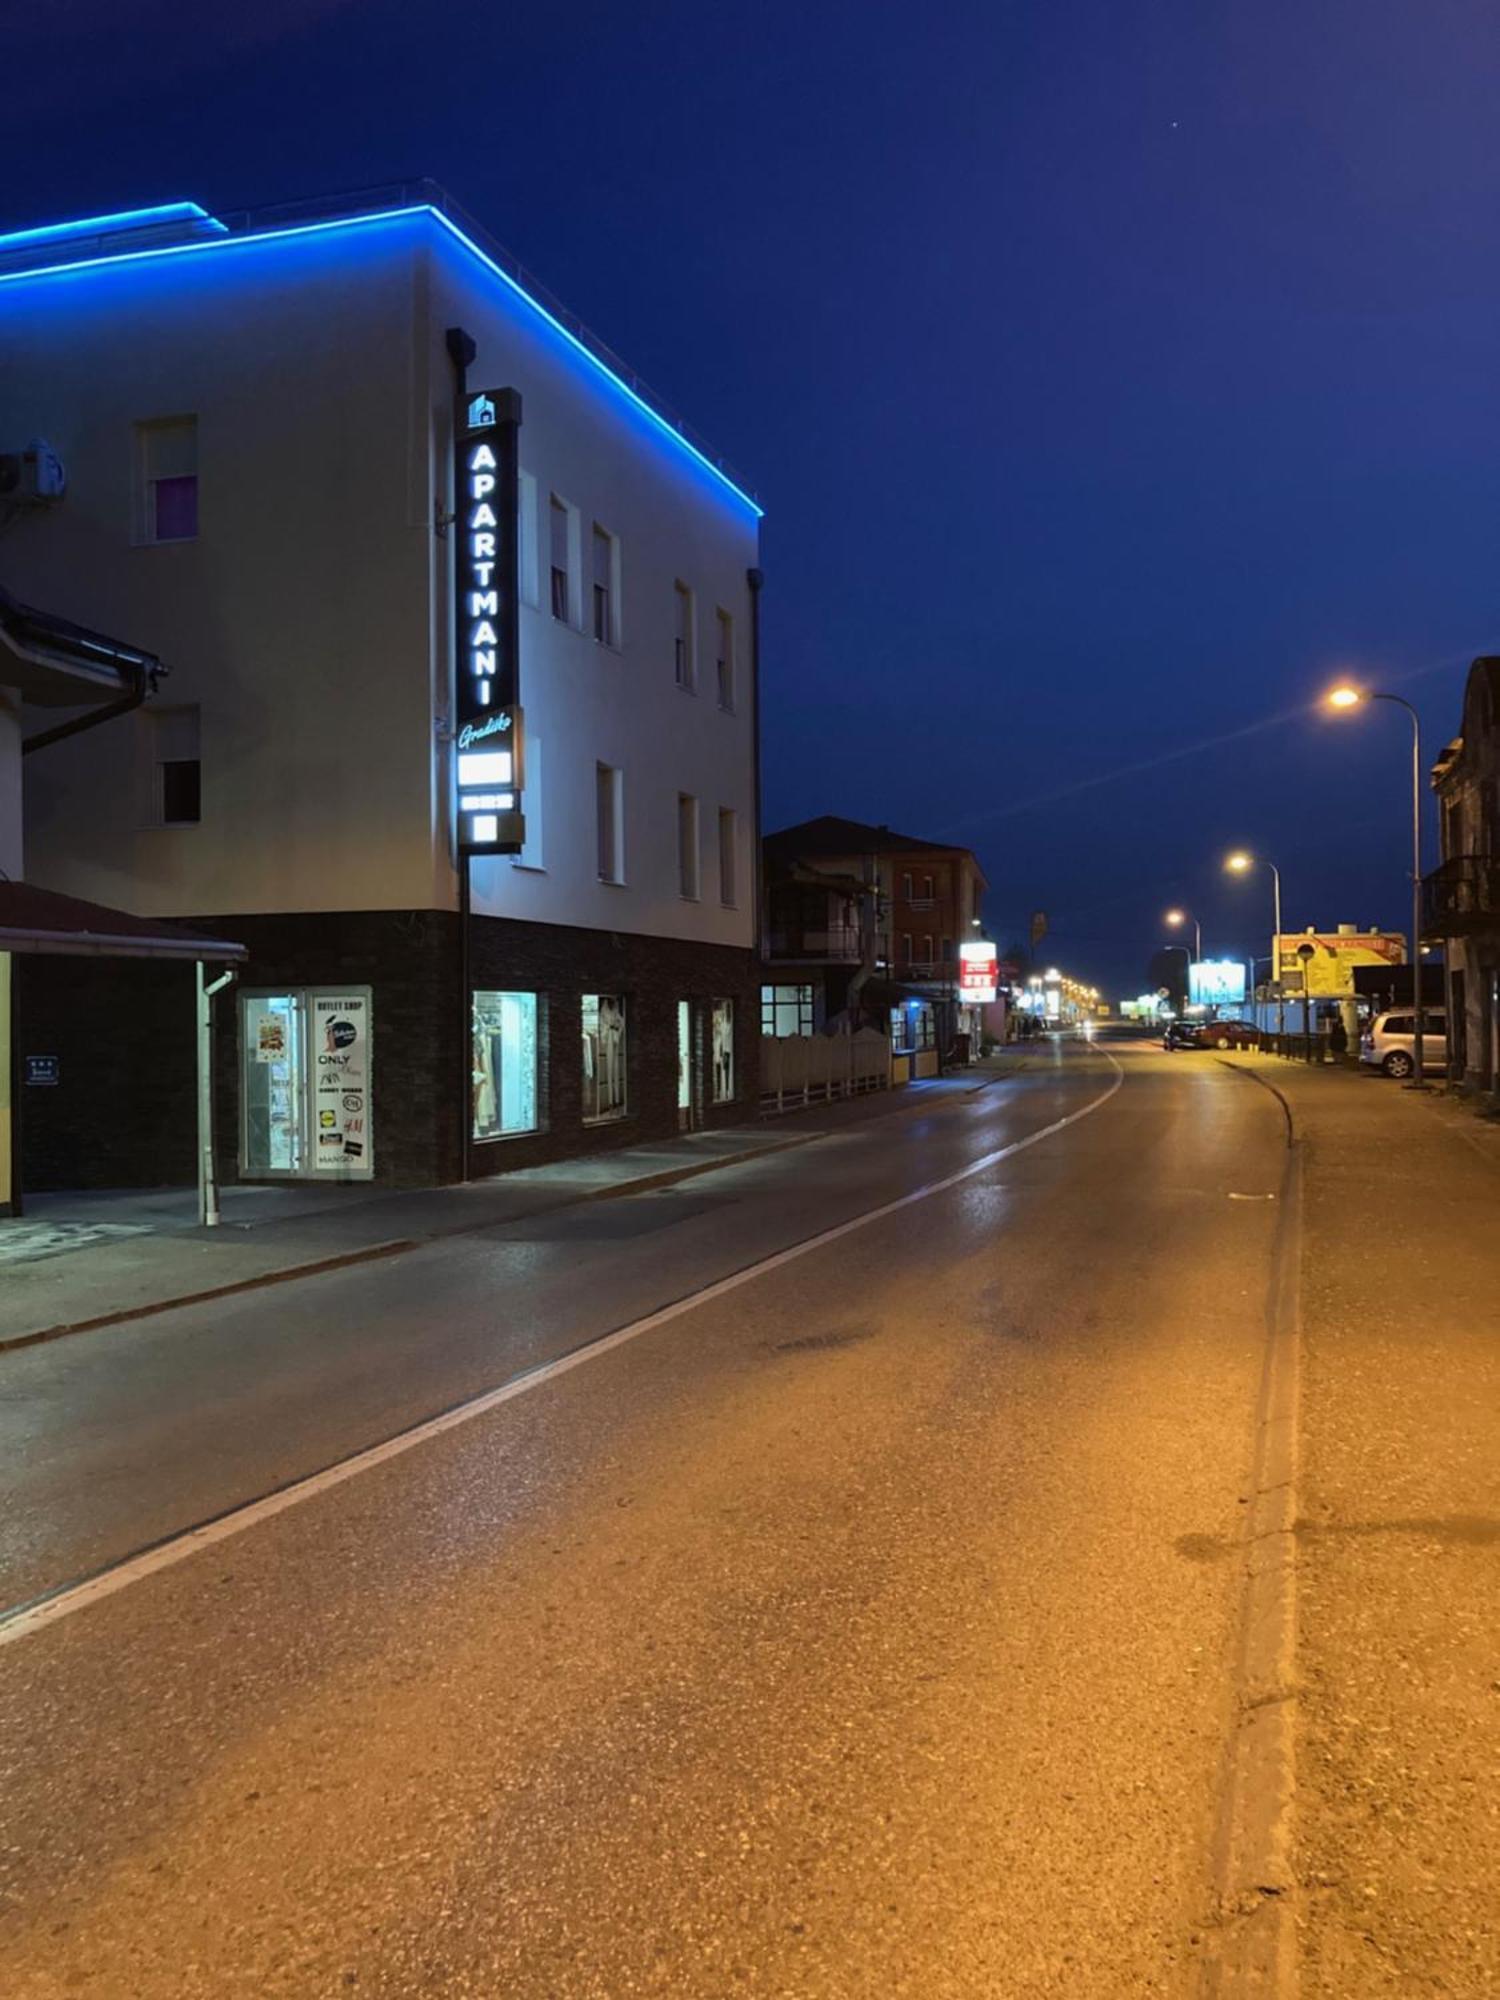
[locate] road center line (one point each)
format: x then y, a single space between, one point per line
49 1609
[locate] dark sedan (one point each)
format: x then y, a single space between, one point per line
1211 1035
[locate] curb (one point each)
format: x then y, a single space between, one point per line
395 1246
1255 1949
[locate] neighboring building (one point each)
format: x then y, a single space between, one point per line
257 422
862 927
1461 897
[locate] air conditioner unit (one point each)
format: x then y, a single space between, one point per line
33 477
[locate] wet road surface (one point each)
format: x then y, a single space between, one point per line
864 1628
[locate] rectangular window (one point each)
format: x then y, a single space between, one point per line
687 847
903 1031
906 887
559 545
728 843
609 813
723 1051
927 951
786 1010
173 770
603 1057
507 1067
906 947
166 480
532 854
724 664
605 562
685 662
526 539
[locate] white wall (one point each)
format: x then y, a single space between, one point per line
310 619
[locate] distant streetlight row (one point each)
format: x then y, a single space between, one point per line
1341 700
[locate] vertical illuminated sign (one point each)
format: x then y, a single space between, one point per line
487 692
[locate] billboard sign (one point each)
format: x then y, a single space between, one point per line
977 977
1326 971
1216 982
486 693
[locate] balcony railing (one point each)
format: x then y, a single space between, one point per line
837 946
1462 896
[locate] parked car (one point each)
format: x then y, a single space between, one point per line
1183 1035
1389 1043
1229 1035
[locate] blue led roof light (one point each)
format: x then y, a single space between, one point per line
127 219
249 232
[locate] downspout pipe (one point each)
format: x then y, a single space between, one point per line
144 684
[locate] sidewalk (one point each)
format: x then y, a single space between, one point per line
81 1260
1398 1538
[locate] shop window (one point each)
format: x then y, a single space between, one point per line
166 480
722 1039
786 1010
305 1071
903 1035
604 1055
508 1029
924 1023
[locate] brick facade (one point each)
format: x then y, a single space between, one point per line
124 1114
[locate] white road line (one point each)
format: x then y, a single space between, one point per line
42 1612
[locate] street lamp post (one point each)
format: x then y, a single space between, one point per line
1176 917
1347 697
1240 863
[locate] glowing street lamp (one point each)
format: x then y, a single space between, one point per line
1342 698
1241 863
1177 918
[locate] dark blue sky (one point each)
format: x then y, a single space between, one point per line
1112 371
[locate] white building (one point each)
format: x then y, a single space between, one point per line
256 418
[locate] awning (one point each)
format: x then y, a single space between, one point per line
63 665
38 920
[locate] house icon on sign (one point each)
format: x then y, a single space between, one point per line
481 412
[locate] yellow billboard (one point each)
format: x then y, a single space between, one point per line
1322 963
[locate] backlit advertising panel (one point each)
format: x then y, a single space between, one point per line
1216 982
486 691
1322 963
976 974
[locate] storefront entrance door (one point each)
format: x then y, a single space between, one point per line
686 1108
305 1085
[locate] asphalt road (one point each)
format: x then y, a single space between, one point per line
863 1628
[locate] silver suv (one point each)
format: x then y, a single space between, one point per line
1390 1041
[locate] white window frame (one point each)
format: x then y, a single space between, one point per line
615 788
685 642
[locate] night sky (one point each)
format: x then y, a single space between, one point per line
1113 372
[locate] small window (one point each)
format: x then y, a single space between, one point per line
603 1057
688 885
608 795
526 539
559 529
906 887
166 485
724 664
906 947
723 1051
927 887
605 561
507 1064
728 844
927 951
174 795
685 665
532 854
786 1010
